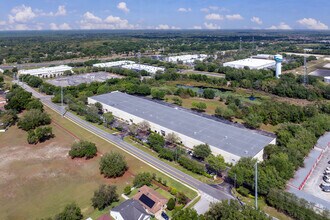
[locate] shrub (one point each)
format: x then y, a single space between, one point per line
33 118
174 191
209 93
191 165
182 198
200 106
177 101
202 151
104 196
170 204
113 164
83 149
71 212
127 190
40 134
156 141
142 179
243 191
166 154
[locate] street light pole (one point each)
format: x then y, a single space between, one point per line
62 100
256 184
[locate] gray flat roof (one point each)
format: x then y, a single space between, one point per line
238 141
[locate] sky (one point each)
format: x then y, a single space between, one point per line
164 14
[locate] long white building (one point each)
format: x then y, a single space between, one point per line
46 72
187 59
114 63
139 67
224 138
251 63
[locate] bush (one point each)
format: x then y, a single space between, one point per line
200 106
104 196
177 101
83 149
243 191
156 141
113 164
170 204
209 93
127 190
182 198
40 134
174 191
33 118
35 104
166 154
142 179
191 165
157 94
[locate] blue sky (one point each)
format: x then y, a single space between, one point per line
164 14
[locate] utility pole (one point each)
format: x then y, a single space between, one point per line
62 101
305 69
256 184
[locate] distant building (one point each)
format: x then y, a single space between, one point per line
187 59
327 79
129 210
251 63
151 200
225 138
1 70
46 72
113 64
263 56
139 67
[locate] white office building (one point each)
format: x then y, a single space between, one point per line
252 63
225 138
139 67
187 59
113 64
46 72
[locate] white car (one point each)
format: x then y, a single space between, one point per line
326 172
327 169
325 185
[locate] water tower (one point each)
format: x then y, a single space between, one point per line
278 59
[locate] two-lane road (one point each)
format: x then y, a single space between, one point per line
143 156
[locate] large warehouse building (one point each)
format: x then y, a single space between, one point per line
113 63
252 63
187 59
231 141
46 72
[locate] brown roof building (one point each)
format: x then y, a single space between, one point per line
151 200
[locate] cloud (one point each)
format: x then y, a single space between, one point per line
184 9
281 26
197 27
90 21
256 20
213 8
166 27
122 6
64 26
211 26
234 17
21 14
213 16
61 11
311 23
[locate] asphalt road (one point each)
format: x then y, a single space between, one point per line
212 193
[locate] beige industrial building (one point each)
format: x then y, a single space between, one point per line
230 140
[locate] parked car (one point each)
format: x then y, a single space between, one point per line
165 216
326 172
329 162
326 189
327 169
324 185
326 178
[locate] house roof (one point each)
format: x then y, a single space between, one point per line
150 199
236 140
131 209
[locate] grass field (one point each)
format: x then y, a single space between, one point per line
37 181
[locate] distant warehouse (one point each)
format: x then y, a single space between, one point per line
113 63
252 63
46 72
230 141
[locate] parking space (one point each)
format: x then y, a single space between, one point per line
312 185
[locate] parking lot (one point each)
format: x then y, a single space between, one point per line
82 78
312 185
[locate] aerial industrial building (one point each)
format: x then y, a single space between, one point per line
46 72
139 67
113 64
252 63
186 59
225 138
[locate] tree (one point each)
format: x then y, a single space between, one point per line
70 212
113 164
216 163
83 149
156 141
8 118
33 118
133 129
104 196
35 104
182 198
127 190
108 118
209 93
202 151
253 121
170 204
99 107
144 126
186 214
40 134
200 106
17 99
172 138
191 165
142 179
226 113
